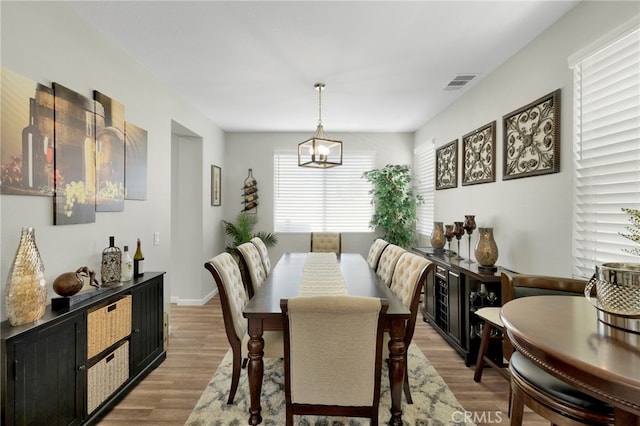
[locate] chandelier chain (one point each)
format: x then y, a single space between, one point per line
319 104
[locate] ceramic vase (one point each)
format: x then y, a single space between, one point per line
437 236
26 289
486 249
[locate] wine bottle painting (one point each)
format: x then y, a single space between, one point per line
26 162
58 143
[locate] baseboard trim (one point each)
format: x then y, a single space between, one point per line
194 302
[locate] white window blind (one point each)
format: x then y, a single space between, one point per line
317 200
606 152
424 160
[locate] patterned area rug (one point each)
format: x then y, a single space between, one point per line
433 402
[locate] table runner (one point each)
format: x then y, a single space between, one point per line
321 276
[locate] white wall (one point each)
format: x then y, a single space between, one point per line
47 42
531 217
255 151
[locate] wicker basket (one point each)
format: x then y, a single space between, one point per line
106 376
107 325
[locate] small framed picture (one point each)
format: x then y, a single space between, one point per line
216 185
447 166
532 138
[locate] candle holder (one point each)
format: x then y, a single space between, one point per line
458 232
448 234
469 225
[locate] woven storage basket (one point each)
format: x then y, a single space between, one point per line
107 375
107 325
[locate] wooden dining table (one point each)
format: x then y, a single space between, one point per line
263 314
563 336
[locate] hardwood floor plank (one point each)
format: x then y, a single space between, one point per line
198 343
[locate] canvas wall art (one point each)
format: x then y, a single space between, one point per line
75 157
135 162
110 154
26 152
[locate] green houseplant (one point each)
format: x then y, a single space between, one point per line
634 230
241 231
395 203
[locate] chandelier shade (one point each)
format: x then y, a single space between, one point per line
319 151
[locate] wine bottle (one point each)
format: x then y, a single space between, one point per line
111 265
33 152
127 265
138 262
250 206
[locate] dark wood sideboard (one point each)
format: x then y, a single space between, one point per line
71 366
454 290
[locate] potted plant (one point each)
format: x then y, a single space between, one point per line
634 230
242 231
395 203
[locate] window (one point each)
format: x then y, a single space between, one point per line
316 200
424 160
606 151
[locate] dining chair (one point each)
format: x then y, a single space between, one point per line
376 249
233 298
409 277
264 253
387 264
551 398
326 242
333 355
251 267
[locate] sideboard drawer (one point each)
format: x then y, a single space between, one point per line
107 325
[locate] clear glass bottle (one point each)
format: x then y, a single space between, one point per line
26 289
127 265
111 271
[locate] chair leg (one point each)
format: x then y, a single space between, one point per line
482 351
235 376
407 388
516 408
289 418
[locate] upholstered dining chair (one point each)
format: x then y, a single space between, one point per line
375 251
252 270
551 398
330 341
233 298
326 242
407 282
264 253
387 264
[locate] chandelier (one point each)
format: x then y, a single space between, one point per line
318 151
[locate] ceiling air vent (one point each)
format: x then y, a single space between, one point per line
460 81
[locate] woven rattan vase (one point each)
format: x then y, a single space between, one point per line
26 290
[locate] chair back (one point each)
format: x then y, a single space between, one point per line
251 262
522 285
375 251
233 298
326 242
264 253
387 264
407 283
332 341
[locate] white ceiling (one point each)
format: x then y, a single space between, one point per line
251 66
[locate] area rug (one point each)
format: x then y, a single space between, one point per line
433 402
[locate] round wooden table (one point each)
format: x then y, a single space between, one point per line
563 335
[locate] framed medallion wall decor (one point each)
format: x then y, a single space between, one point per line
447 166
479 155
532 138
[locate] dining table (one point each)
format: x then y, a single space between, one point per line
263 313
565 336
